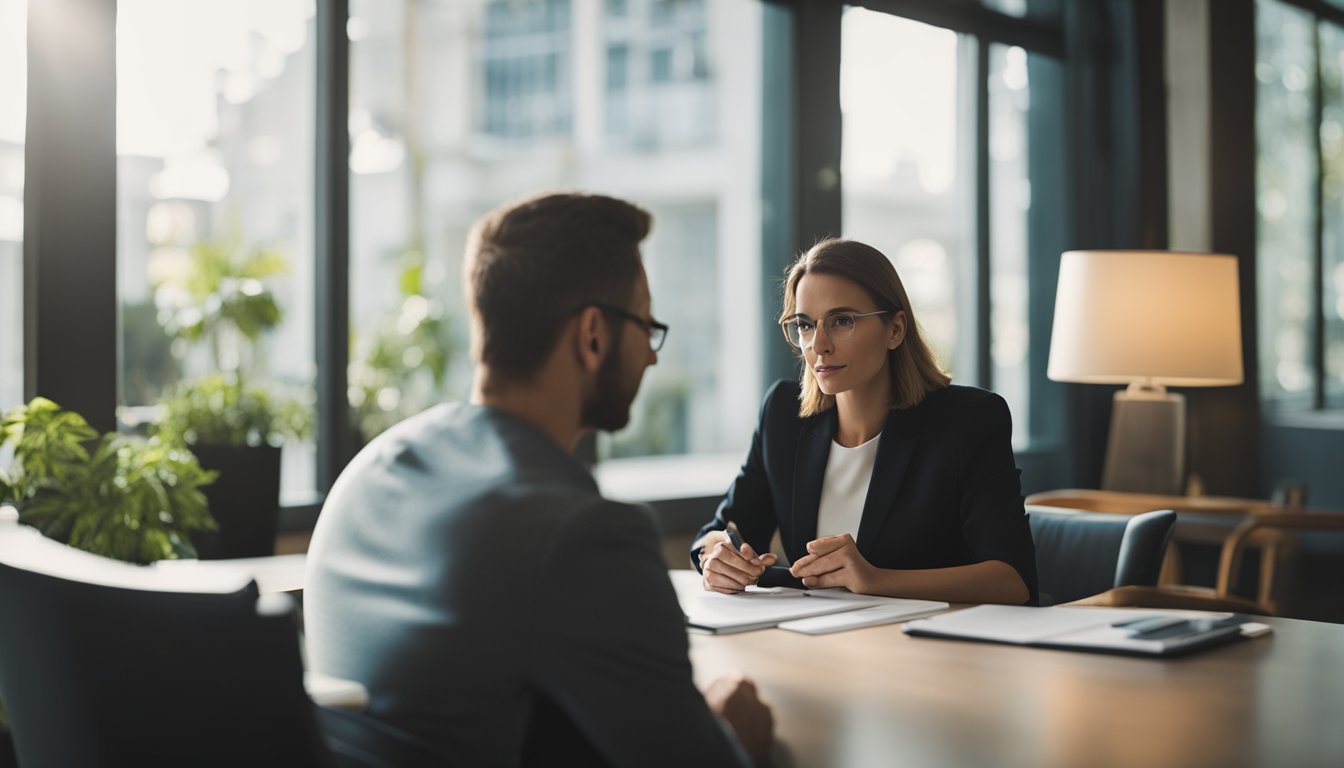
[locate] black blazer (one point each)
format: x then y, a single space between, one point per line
945 489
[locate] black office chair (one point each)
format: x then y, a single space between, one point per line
99 675
1079 553
108 664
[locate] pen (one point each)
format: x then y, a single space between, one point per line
1175 626
1146 627
734 537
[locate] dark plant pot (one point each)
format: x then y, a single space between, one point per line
7 757
244 499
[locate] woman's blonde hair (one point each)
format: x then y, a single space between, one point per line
914 370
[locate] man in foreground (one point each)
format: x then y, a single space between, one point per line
465 568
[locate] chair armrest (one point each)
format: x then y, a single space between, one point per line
328 691
1230 561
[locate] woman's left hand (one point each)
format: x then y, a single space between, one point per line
834 561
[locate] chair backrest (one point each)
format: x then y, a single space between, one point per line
1229 565
115 670
1081 553
359 740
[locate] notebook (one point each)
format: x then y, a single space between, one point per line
1106 630
759 608
871 616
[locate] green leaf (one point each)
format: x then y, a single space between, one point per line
220 289
129 499
221 410
411 279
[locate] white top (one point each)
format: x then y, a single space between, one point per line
845 487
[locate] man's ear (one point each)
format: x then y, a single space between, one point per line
897 330
593 336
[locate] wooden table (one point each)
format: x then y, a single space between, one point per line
877 697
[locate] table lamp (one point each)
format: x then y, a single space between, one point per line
1147 319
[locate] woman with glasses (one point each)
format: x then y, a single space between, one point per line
879 475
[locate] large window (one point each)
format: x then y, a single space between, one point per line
952 208
907 160
693 108
13 112
455 108
1010 187
1300 207
215 156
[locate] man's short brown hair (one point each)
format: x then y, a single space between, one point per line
530 265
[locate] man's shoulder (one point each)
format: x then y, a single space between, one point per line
482 442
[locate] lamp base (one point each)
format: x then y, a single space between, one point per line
1145 452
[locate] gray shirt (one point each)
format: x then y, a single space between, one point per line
465 565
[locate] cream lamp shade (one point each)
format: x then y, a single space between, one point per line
1152 317
1148 319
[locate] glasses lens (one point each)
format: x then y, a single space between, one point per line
840 327
790 329
656 337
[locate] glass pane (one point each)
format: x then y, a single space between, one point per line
1332 155
1286 178
13 119
458 107
215 110
907 98
1009 203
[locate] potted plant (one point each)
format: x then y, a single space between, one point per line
128 498
216 302
400 366
235 429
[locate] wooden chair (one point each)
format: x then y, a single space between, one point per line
1246 523
1223 597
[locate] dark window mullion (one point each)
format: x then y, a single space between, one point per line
985 24
988 26
335 435
984 373
817 121
70 272
779 241
1318 236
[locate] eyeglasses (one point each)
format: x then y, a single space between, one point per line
657 331
838 326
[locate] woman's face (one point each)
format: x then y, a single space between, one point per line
860 361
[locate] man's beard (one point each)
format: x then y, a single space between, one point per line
608 408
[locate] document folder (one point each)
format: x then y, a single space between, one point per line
764 608
1104 630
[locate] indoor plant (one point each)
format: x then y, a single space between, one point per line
129 498
400 366
217 303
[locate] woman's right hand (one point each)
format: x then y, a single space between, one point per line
727 570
